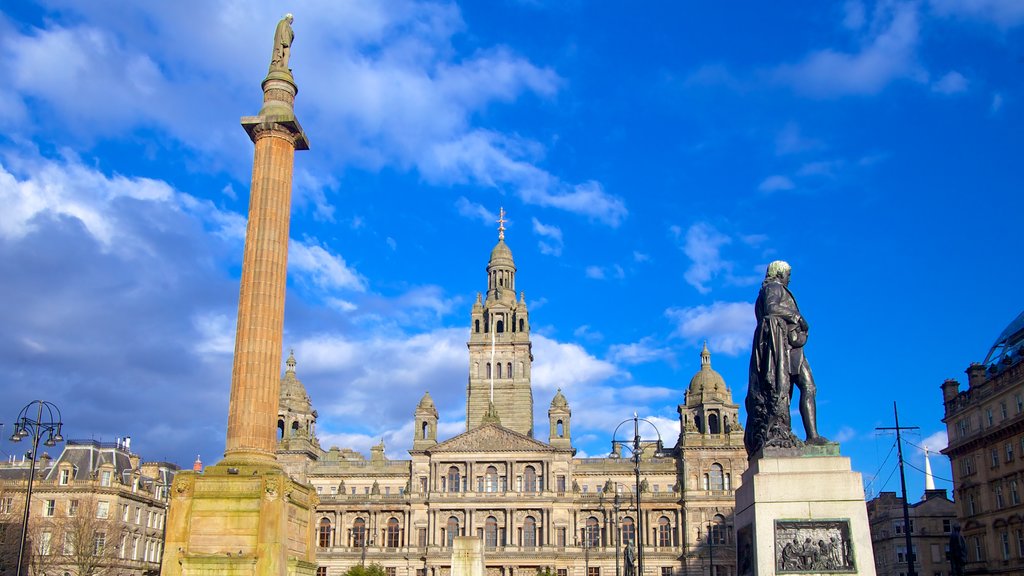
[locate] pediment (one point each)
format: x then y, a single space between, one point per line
491 438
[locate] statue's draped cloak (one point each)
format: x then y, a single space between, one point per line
773 361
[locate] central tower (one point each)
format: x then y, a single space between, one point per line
500 351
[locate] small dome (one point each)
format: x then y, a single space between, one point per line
293 392
707 382
501 255
426 403
559 400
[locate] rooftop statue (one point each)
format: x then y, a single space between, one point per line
777 364
283 38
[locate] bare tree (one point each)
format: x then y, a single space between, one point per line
12 504
81 538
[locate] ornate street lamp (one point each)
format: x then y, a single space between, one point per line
47 423
636 450
617 504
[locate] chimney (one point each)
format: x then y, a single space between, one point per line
950 388
975 375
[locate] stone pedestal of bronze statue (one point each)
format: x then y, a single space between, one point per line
244 515
468 556
802 511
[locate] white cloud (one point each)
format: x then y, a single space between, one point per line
1002 13
475 211
216 333
845 434
952 83
640 352
997 103
566 366
641 257
728 326
594 272
605 272
552 243
790 141
702 245
935 442
326 271
776 183
887 54
587 333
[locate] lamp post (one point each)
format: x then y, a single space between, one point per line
711 551
49 426
635 448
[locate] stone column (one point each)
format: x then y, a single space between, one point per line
255 376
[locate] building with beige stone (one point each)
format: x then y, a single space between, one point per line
985 426
95 508
931 521
519 487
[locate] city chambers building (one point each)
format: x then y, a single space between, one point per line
519 487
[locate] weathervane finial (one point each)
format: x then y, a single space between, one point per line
501 223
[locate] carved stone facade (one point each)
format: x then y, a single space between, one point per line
534 504
931 521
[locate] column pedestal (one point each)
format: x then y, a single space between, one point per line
802 511
468 556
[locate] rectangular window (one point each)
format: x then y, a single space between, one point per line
1009 451
102 509
988 417
1014 493
947 525
1002 410
391 571
105 478
99 540
972 508
1020 403
961 428
124 512
1004 539
560 483
560 538
319 489
421 537
901 554
6 505
979 551
49 507
321 571
72 507
593 571
997 491
387 490
585 487
562 572
995 458
65 477
44 543
138 515
353 490
666 571
423 484
1020 542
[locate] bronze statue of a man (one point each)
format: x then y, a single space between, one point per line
283 38
777 364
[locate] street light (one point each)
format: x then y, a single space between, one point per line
616 506
636 451
23 427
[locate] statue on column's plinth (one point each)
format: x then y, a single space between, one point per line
777 364
283 37
629 558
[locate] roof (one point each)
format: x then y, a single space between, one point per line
1009 343
707 384
491 438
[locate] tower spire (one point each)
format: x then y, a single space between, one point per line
501 223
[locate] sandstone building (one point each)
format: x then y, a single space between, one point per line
519 487
931 521
95 508
985 426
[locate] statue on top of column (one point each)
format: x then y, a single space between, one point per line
283 38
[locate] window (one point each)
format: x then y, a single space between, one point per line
491 532
529 532
451 530
628 531
138 515
995 458
105 478
6 505
390 571
718 530
358 533
324 533
666 571
1014 493
560 538
946 525
1002 410
592 533
979 551
560 483
664 532
716 479
491 479
321 571
562 572
988 416
49 507
393 533
44 542
530 479
124 512
1020 542
1020 403
1004 540
961 428
454 479
997 491
971 505
593 571
72 507
1009 451
421 537
99 540
65 476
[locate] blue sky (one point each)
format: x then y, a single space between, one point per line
652 159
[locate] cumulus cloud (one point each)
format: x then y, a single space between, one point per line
702 245
1002 13
327 271
641 352
776 183
888 53
935 442
567 366
474 211
952 82
726 325
551 243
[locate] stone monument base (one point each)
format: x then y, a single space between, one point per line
467 556
802 511
244 519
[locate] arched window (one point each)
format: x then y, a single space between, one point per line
295 427
716 478
664 532
508 374
713 424
513 322
454 479
728 481
592 533
500 326
628 531
499 369
424 430
522 323
560 429
280 429
491 479
451 530
530 532
488 369
393 533
491 532
324 534
358 533
529 479
718 530
476 325
698 423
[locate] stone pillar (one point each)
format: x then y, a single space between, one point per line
255 376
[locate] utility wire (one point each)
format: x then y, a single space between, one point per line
923 472
882 465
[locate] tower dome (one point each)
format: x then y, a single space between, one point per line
707 384
559 401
